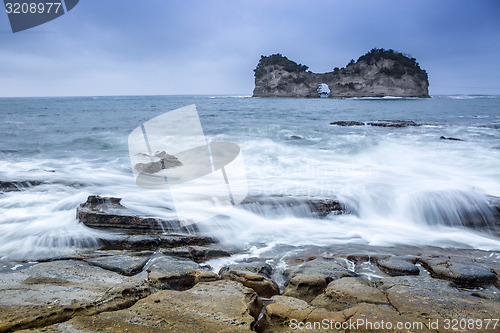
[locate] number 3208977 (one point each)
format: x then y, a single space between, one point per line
32 7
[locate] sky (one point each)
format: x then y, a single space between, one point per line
167 47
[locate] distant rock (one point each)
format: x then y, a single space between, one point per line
393 123
348 123
378 73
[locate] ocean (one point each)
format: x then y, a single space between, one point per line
402 185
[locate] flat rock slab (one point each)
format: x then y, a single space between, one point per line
222 306
124 264
398 266
168 272
252 275
52 292
153 242
200 253
108 213
462 273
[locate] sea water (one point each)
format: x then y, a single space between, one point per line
401 185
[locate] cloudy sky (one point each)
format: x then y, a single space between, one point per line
160 47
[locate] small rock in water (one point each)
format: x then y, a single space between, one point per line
450 138
295 137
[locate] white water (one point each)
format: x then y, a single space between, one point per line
403 186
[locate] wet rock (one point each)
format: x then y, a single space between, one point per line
284 312
325 207
252 275
153 242
124 264
14 186
168 272
304 206
462 273
348 123
295 137
450 138
254 267
222 306
346 292
398 266
393 123
108 213
200 253
310 279
53 292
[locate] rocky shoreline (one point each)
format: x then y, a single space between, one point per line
164 282
172 289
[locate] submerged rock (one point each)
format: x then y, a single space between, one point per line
450 138
109 213
13 186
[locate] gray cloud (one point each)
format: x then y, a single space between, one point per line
116 47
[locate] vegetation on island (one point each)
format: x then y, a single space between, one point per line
278 59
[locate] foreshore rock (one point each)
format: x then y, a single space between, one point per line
378 73
53 292
340 284
222 306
